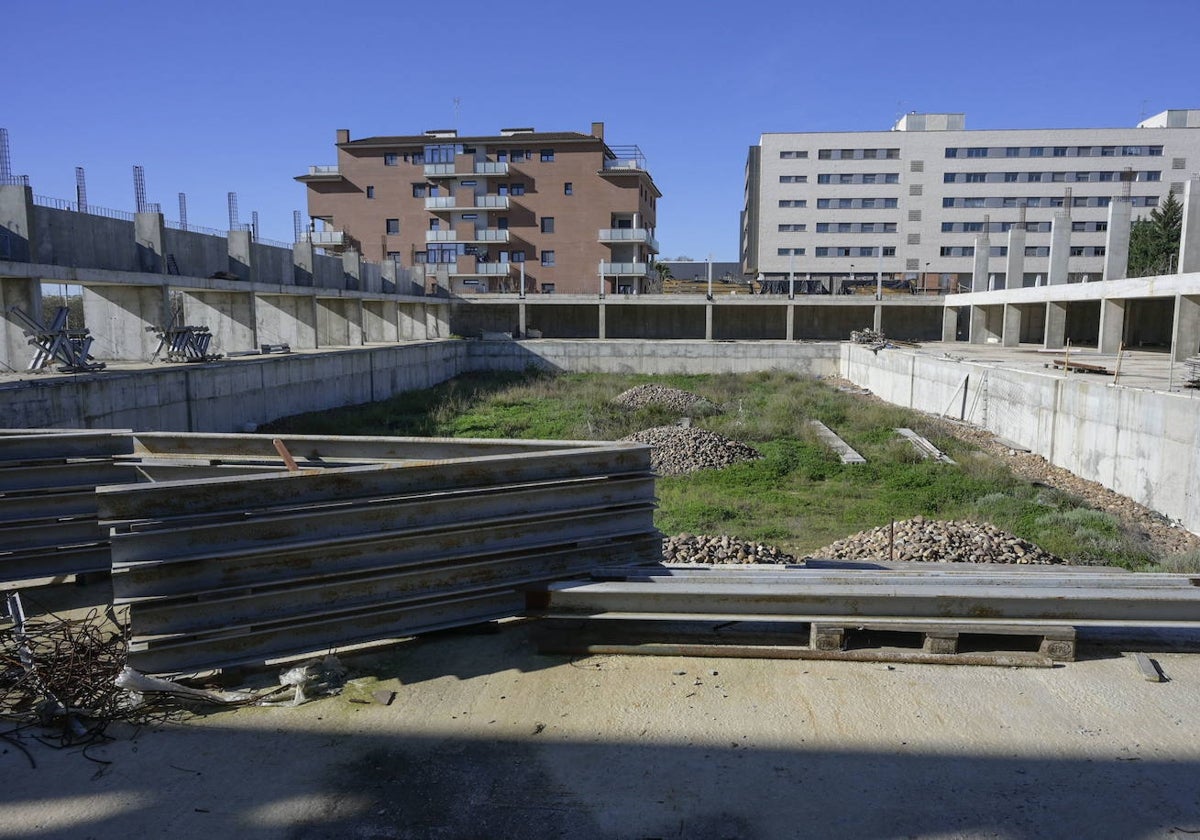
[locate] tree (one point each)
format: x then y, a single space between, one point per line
663 270
1154 242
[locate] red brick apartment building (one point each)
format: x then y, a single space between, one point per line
572 213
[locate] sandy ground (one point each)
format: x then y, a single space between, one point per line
489 739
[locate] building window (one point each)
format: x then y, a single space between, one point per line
889 251
518 155
792 228
548 157
394 256
1036 151
793 179
792 154
470 217
568 188
793 202
468 183
547 258
502 156
1012 151
393 226
419 190
502 223
370 192
435 224
547 224
517 256
977 152
547 288
517 189
790 252
390 160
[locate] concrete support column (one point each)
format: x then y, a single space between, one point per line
1060 248
1011 334
411 317
118 316
378 326
303 263
17 238
877 317
351 270
1185 331
950 323
791 322
387 274
286 319
708 322
149 231
437 321
1056 326
979 271
241 255
521 321
229 316
1116 242
1189 240
601 319
1014 264
15 350
977 333
1112 324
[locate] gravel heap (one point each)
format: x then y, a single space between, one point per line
934 541
679 450
704 548
867 336
643 395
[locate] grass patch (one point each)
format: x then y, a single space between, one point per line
799 496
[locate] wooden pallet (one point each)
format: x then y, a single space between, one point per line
1080 367
945 642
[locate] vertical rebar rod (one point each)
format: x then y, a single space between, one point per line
139 188
81 202
183 211
231 198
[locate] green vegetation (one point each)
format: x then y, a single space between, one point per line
798 496
1154 242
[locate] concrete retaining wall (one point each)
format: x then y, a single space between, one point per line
633 356
1142 444
226 396
64 237
196 254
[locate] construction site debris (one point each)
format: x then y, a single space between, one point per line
722 548
311 679
868 336
935 541
679 450
643 395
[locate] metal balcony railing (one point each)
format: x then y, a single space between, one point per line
629 235
635 269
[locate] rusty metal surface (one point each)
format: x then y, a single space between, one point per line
222 571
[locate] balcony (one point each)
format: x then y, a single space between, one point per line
325 238
620 235
632 269
320 174
481 269
447 203
477 235
481 169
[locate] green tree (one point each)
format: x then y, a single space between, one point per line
663 270
1154 242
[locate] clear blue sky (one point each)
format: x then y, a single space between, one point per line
215 96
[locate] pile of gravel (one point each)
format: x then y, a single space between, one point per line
679 450
703 548
643 395
934 541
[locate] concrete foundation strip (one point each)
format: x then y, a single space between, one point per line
844 451
924 447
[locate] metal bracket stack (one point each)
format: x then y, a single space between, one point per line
184 344
58 342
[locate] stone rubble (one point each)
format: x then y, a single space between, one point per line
936 541
679 450
643 395
720 549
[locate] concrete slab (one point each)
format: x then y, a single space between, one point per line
485 738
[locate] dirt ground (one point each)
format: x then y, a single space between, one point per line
487 738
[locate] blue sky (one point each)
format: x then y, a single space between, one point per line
212 97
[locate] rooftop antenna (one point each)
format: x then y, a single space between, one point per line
183 211
231 199
81 203
254 224
139 188
297 225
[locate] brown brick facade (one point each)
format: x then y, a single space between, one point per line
562 201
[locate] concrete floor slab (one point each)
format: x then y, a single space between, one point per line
488 739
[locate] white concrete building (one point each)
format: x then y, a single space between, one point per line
934 204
